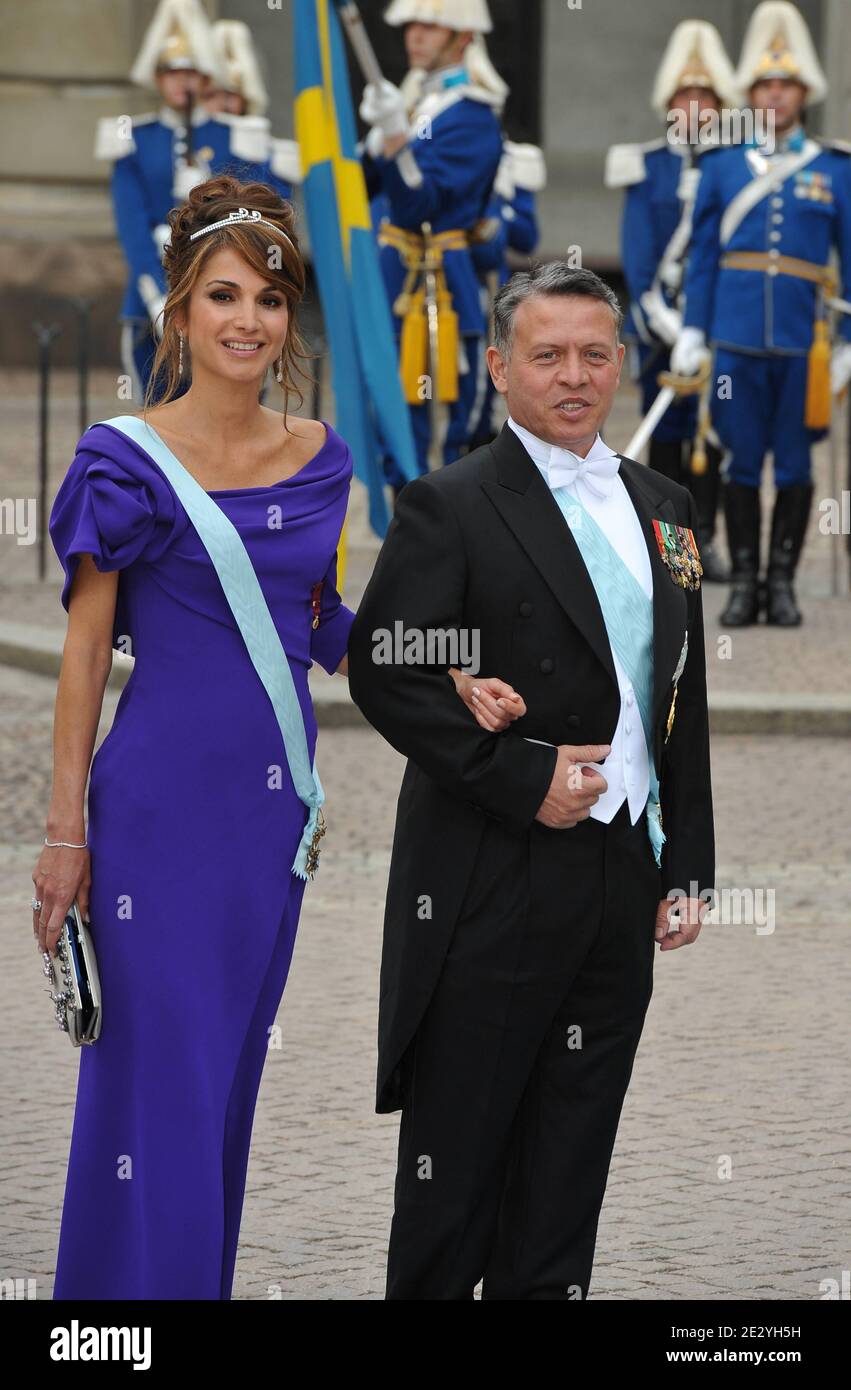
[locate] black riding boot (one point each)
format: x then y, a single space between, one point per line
742 514
788 527
666 457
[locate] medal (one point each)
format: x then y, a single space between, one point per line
670 724
677 673
679 553
313 851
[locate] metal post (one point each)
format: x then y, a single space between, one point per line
83 306
45 333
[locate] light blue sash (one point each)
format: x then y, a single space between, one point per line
248 605
628 615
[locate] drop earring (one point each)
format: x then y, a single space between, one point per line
279 369
180 354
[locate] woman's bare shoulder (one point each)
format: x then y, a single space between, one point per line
311 431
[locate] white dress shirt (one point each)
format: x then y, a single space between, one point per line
627 768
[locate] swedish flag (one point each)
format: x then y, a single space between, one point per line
365 367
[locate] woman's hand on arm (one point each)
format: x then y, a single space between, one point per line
343 668
62 874
493 702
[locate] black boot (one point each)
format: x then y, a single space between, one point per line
666 457
788 527
742 514
704 489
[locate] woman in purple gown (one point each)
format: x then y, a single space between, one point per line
193 818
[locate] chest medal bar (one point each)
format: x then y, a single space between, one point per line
679 552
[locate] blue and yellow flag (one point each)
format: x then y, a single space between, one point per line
364 359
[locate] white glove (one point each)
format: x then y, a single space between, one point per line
162 236
671 274
662 320
155 310
185 178
154 301
840 368
383 105
688 352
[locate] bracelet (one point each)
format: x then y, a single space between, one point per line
51 844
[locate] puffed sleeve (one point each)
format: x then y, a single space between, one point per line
113 504
329 641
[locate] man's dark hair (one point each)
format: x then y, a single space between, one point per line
552 277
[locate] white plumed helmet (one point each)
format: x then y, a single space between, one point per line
777 43
695 57
453 14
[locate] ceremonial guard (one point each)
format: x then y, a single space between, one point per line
435 166
695 76
239 98
510 223
159 157
758 285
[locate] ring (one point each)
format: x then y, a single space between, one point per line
35 905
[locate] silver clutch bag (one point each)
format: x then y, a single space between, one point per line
74 982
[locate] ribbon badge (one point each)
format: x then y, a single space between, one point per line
679 553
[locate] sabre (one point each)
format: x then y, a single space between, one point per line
649 423
190 129
839 306
360 41
433 349
833 457
672 386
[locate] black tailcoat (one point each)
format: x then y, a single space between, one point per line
483 545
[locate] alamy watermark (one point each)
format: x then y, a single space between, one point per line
732 125
430 646
749 907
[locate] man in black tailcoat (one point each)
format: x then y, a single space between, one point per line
529 883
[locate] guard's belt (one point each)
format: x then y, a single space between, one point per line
783 265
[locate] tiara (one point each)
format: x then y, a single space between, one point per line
243 215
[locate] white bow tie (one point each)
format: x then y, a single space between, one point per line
597 471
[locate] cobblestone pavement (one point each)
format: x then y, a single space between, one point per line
814 659
744 1057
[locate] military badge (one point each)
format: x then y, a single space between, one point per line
813 185
679 553
677 673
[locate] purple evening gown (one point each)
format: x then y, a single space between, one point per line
193 827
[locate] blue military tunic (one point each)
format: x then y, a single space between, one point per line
653 209
511 222
144 173
456 149
443 176
796 203
804 215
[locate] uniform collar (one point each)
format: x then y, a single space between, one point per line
792 143
175 119
454 76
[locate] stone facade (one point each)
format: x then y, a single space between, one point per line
65 65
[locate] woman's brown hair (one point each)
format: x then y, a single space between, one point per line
183 260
